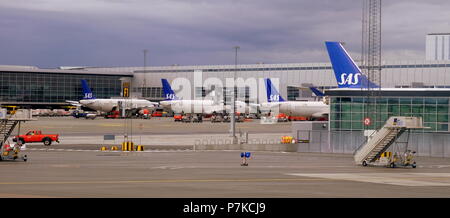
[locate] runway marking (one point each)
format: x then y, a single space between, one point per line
163 181
401 179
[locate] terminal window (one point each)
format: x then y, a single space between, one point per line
349 113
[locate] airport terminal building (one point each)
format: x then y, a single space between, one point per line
30 85
347 112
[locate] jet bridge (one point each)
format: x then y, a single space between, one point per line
379 141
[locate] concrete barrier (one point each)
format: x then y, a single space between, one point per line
250 147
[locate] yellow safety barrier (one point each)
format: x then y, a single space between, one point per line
103 148
130 146
127 146
140 148
114 148
286 139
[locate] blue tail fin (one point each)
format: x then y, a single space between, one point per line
272 94
86 90
317 92
348 74
169 94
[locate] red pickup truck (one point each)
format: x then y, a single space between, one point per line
37 136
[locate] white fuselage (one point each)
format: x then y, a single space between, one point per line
107 105
299 108
200 106
193 106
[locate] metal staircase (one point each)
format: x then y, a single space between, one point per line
6 128
380 140
9 122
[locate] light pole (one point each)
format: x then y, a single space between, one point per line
233 98
145 69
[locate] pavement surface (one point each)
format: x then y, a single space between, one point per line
158 131
207 174
70 126
170 168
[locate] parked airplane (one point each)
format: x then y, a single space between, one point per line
312 109
108 105
207 106
177 105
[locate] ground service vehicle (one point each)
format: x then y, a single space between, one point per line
157 114
11 152
37 136
178 117
78 114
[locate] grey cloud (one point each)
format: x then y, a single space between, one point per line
188 32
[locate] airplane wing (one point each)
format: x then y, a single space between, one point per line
74 103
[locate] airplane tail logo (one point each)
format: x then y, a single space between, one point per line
317 92
169 94
86 90
348 74
272 94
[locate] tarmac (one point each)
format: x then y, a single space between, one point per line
214 174
81 170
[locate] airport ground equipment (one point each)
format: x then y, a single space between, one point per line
245 156
286 139
37 136
197 119
379 141
8 123
11 152
87 115
186 118
217 118
226 118
177 117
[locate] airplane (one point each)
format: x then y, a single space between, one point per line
178 105
311 109
207 106
108 105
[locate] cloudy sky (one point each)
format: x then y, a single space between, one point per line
52 33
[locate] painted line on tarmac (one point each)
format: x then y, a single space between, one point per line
163 181
400 179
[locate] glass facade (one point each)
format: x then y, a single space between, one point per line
292 93
36 87
151 92
348 113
